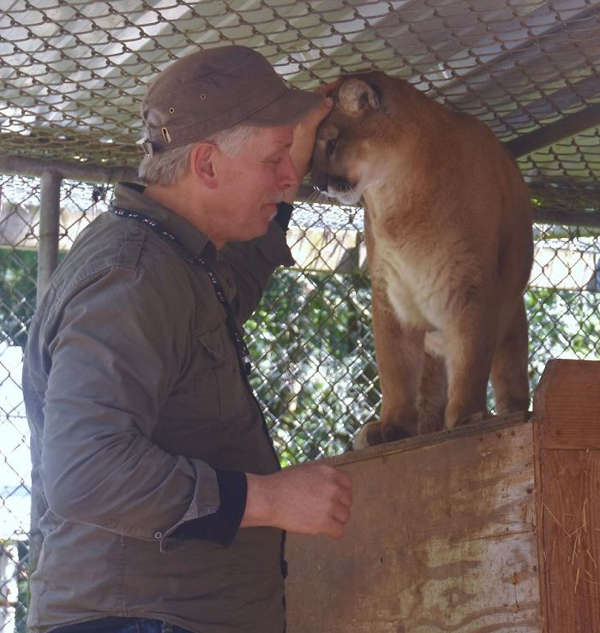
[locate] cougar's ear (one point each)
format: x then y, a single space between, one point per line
355 96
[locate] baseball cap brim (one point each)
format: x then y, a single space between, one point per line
287 109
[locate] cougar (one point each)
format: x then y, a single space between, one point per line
448 230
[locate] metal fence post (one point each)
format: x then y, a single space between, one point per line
47 260
49 225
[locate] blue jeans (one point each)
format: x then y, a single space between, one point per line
121 625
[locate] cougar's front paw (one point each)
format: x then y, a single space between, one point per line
373 433
474 418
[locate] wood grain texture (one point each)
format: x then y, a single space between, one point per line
568 401
442 539
567 437
570 532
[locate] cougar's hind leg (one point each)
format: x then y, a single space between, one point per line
399 354
433 394
469 348
509 366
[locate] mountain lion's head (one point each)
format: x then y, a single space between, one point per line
355 141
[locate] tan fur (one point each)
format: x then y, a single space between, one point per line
449 242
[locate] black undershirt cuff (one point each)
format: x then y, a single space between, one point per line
222 526
284 213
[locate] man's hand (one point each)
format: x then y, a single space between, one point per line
307 499
303 143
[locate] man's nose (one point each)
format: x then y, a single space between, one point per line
287 176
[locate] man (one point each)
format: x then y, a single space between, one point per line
164 505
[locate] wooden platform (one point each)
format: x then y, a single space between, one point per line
491 528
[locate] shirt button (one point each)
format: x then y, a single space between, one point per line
158 535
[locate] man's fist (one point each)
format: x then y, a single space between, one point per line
308 499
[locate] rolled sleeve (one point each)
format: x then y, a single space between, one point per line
222 526
110 373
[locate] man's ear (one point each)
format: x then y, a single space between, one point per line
202 163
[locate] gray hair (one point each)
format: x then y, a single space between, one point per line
165 168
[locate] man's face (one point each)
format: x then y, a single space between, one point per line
251 183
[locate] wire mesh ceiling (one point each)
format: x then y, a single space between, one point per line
73 72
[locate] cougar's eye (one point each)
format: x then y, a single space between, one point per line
330 147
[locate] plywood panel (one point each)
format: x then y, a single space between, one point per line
442 538
568 403
567 433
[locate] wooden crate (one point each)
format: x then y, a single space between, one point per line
491 528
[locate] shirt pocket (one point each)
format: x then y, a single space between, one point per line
217 374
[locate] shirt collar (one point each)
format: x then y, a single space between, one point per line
129 195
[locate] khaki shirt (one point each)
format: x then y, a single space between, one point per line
134 394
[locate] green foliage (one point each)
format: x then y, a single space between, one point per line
562 323
315 374
16 551
17 293
23 588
